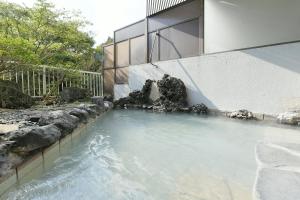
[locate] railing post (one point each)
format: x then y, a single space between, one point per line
44 81
28 82
22 79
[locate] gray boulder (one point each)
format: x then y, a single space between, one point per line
108 105
98 101
30 139
73 94
12 97
199 109
290 118
82 114
61 119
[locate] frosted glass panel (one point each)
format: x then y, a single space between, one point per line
109 56
232 24
109 81
122 51
137 50
122 75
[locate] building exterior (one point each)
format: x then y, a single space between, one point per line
230 54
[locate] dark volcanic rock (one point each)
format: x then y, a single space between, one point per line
242 114
98 101
12 97
172 95
61 119
108 98
31 139
172 98
82 114
136 97
173 90
199 109
73 94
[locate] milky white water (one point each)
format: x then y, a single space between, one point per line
137 155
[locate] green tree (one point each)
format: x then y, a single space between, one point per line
42 35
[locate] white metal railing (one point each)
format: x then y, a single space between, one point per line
40 81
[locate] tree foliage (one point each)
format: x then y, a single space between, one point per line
43 35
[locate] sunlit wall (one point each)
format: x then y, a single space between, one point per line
238 24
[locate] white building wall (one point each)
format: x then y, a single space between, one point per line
232 24
263 80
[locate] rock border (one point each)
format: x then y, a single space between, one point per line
35 140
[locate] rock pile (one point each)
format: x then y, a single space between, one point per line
136 98
290 118
43 128
11 96
172 97
242 114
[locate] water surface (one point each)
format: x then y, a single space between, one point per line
136 155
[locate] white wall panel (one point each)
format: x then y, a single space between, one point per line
263 80
238 24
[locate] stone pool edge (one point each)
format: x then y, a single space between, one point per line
39 160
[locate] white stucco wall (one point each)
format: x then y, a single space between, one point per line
232 24
263 80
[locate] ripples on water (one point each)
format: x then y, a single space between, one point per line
135 155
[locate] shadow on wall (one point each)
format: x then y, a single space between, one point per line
286 56
195 93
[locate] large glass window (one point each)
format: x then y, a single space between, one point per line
180 41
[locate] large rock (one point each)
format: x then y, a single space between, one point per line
291 118
172 95
73 94
199 109
30 139
61 119
98 101
82 114
172 89
136 97
12 97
